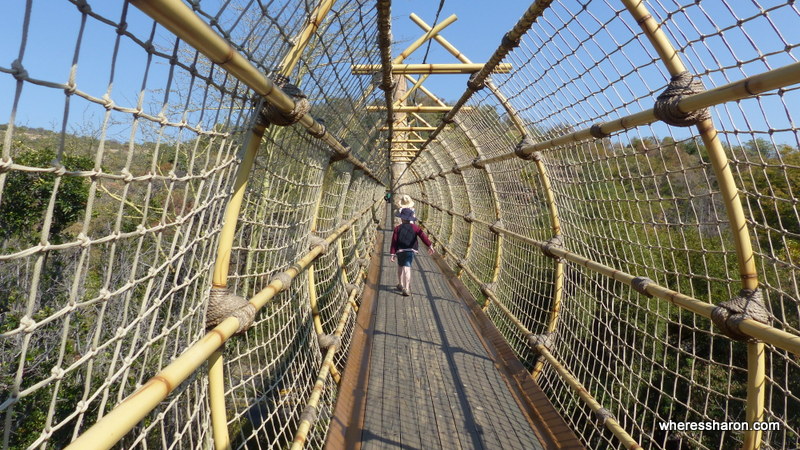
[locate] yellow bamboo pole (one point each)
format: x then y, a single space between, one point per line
746 87
119 421
423 39
216 375
570 379
410 128
756 357
327 368
314 21
512 113
216 395
610 422
407 93
178 18
429 69
411 108
752 328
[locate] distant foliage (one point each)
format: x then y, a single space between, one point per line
26 195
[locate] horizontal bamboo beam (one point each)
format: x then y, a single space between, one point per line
510 40
178 18
597 408
416 109
410 128
758 330
312 406
747 87
610 422
430 69
110 428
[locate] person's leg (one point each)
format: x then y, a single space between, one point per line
406 278
399 275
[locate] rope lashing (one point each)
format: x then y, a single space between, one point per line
748 305
525 142
488 288
309 414
447 120
639 284
302 106
469 218
496 226
316 241
603 415
597 132
284 278
456 170
478 163
223 304
556 241
666 106
350 287
546 340
475 85
340 155
328 340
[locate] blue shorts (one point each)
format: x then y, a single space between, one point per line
405 259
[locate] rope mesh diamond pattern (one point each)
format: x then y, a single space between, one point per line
110 223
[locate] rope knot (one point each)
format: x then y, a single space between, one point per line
478 163
275 116
18 71
316 241
666 106
748 305
639 284
285 280
469 218
598 132
350 288
556 241
339 155
496 226
509 43
546 340
603 414
456 170
488 288
474 84
222 304
326 341
526 142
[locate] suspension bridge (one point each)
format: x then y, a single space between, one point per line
195 254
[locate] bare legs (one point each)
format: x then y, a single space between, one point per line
404 278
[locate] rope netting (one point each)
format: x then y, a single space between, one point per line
597 238
111 222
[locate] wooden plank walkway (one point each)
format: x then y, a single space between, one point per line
432 383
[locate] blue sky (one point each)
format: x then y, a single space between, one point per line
55 25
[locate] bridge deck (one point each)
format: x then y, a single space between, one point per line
432 382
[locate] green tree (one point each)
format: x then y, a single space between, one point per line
26 195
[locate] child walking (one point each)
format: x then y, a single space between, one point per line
405 246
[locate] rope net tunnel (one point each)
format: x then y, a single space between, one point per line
617 187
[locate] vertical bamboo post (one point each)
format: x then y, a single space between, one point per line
216 395
756 357
216 375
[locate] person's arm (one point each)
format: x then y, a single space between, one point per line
393 248
424 238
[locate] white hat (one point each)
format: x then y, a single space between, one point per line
404 201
